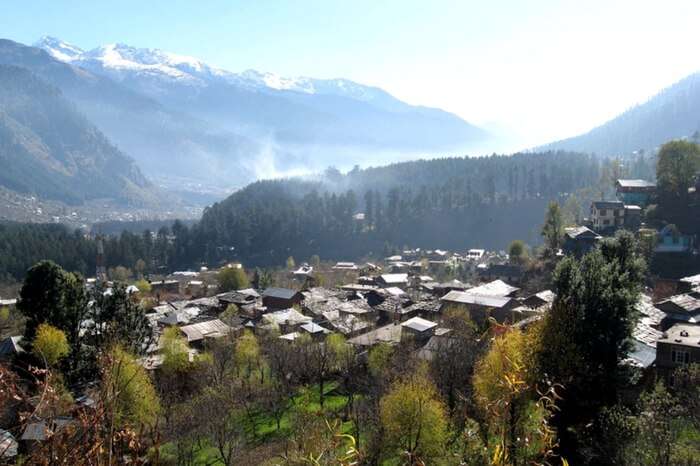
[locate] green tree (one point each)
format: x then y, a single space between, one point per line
231 278
571 212
50 344
143 285
553 227
415 419
517 252
52 295
129 395
678 162
587 332
290 263
315 261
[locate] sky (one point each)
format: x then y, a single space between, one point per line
538 70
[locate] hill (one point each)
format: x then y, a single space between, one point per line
49 149
671 114
452 203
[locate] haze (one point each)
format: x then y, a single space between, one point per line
532 71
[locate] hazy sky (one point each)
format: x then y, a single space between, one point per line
544 69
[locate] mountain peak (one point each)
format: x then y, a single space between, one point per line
59 49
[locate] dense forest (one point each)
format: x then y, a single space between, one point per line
452 203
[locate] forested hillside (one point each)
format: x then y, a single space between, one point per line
442 203
48 149
671 114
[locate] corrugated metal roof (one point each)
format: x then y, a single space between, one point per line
282 293
419 324
209 329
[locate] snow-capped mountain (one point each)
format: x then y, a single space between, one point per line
123 62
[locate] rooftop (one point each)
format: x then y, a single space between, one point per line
288 316
394 277
575 232
608 205
468 297
682 334
419 324
494 288
636 184
209 329
281 293
390 334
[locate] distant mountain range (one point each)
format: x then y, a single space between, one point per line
186 118
671 114
49 149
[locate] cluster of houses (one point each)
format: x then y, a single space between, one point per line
667 335
606 217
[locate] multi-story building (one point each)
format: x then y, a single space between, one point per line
607 215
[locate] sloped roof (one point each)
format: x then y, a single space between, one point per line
10 346
288 316
636 183
494 288
281 293
583 232
419 324
467 297
314 328
209 329
394 277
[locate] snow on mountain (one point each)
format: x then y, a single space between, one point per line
120 61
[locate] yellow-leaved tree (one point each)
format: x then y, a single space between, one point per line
415 419
50 344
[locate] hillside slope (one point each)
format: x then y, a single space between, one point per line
671 114
47 148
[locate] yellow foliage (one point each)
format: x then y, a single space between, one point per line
50 344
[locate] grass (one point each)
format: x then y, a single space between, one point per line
266 426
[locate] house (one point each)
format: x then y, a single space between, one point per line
635 192
670 240
543 299
579 240
389 334
508 272
479 307
495 288
345 266
315 330
196 334
304 271
678 346
387 280
165 287
281 298
10 347
286 320
607 215
8 446
645 333
441 289
475 254
418 329
688 284
680 308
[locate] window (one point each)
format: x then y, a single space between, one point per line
680 357
606 222
603 212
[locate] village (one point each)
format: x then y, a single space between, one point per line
406 299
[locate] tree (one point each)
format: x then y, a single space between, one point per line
517 416
315 261
120 274
140 268
290 263
678 162
586 334
571 212
116 319
128 391
517 252
143 285
52 295
414 419
553 227
50 344
231 278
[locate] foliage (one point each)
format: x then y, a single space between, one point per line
553 227
379 358
414 419
174 350
50 344
517 252
232 278
678 162
130 395
290 263
143 285
586 334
